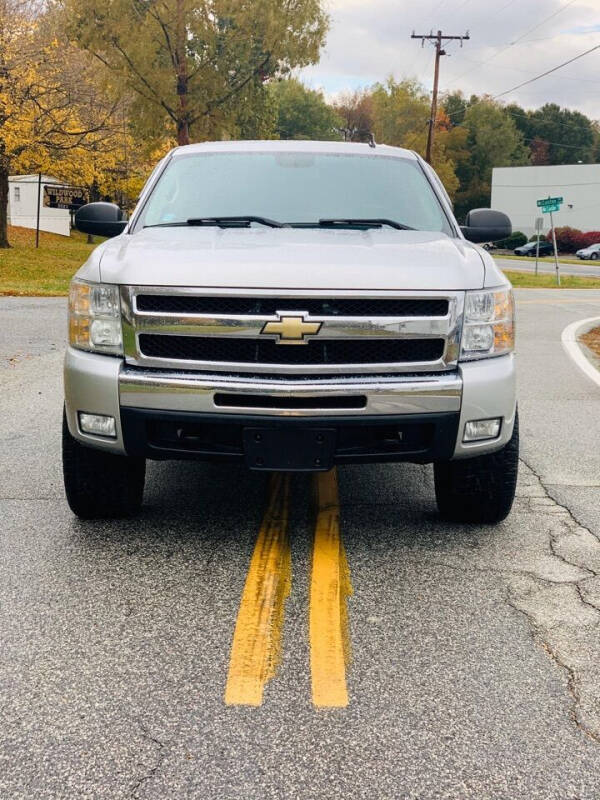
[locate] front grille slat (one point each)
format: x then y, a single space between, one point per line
248 351
316 307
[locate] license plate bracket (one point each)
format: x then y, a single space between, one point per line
290 449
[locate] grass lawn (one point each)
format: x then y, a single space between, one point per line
592 340
47 270
548 259
527 280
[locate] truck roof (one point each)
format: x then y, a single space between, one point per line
294 146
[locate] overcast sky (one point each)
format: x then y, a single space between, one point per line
511 41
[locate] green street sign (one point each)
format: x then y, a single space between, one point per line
550 209
550 201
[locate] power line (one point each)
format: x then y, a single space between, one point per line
533 139
558 144
539 24
519 39
541 120
548 72
526 71
525 138
544 185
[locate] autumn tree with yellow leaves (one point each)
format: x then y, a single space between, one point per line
53 118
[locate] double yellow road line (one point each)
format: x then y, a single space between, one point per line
256 648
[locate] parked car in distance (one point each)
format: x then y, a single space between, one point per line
591 253
529 249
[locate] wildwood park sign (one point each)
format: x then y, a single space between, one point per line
68 197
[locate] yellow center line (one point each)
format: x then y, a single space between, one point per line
256 648
329 590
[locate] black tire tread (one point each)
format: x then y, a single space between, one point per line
98 484
480 489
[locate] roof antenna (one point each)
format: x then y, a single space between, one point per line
350 133
368 134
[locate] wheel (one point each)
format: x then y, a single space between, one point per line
594 257
480 489
99 484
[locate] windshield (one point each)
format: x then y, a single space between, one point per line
293 187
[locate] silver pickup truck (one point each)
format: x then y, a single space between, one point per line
291 306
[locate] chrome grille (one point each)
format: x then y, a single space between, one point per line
251 351
383 333
319 307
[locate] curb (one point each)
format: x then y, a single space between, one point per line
573 349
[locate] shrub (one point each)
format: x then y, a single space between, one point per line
534 238
567 239
591 237
516 239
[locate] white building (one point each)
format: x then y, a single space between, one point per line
22 205
515 190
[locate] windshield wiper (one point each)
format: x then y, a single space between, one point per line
234 222
246 221
377 222
220 222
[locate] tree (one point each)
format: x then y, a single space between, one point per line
256 115
493 141
52 118
556 135
455 106
400 108
355 109
401 112
540 151
569 135
302 113
190 64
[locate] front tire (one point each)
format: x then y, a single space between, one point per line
100 485
480 489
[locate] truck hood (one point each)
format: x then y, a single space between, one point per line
291 258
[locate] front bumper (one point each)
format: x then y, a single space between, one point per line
431 409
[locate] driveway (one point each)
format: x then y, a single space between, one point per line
475 651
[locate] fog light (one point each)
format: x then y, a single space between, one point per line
106 332
478 338
97 424
479 429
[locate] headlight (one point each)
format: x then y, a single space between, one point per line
95 317
489 324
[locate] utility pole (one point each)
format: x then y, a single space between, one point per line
438 39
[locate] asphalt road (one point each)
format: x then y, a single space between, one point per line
475 667
582 268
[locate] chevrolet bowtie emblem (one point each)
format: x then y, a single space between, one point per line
292 330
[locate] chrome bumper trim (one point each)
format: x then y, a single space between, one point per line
176 391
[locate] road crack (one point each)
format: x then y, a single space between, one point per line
564 616
548 495
152 769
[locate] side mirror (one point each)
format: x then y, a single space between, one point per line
100 219
485 225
